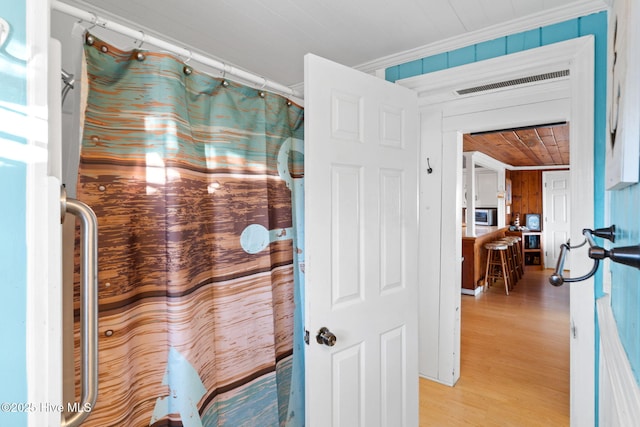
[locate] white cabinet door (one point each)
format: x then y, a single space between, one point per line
361 162
486 189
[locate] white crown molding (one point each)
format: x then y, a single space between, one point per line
548 17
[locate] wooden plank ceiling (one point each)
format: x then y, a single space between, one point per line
545 145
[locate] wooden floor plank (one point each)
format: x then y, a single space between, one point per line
514 360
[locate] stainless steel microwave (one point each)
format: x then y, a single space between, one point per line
486 216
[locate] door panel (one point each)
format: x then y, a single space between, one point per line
346 235
348 387
393 377
391 230
556 207
361 160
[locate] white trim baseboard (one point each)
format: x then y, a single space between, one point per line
473 292
619 392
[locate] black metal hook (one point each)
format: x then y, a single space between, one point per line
429 169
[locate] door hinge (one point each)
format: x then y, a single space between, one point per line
306 337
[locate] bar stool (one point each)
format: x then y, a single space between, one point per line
512 259
497 267
519 257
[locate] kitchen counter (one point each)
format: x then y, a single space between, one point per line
475 256
482 230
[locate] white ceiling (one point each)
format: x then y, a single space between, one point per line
270 37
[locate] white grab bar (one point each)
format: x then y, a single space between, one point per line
88 308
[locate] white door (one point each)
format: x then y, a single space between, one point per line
361 162
556 207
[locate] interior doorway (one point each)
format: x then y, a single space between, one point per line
445 117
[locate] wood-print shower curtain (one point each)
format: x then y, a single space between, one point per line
196 185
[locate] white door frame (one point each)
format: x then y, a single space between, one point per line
42 154
440 234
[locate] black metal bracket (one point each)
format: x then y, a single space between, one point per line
627 255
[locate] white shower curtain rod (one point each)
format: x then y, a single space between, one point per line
92 18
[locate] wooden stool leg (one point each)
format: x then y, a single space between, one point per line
486 273
505 271
514 255
512 265
519 257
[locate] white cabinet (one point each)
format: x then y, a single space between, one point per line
486 189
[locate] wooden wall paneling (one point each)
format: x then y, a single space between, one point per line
524 207
508 217
516 194
526 193
534 183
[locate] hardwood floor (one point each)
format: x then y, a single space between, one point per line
514 360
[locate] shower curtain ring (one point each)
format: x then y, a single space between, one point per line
142 40
225 83
187 69
139 55
264 83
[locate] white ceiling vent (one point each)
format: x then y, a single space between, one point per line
514 82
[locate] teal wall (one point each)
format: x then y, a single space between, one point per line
595 24
625 283
627 303
13 251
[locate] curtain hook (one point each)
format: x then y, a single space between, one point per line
187 69
142 40
225 83
264 83
139 55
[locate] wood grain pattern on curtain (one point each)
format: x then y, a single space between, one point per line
196 245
